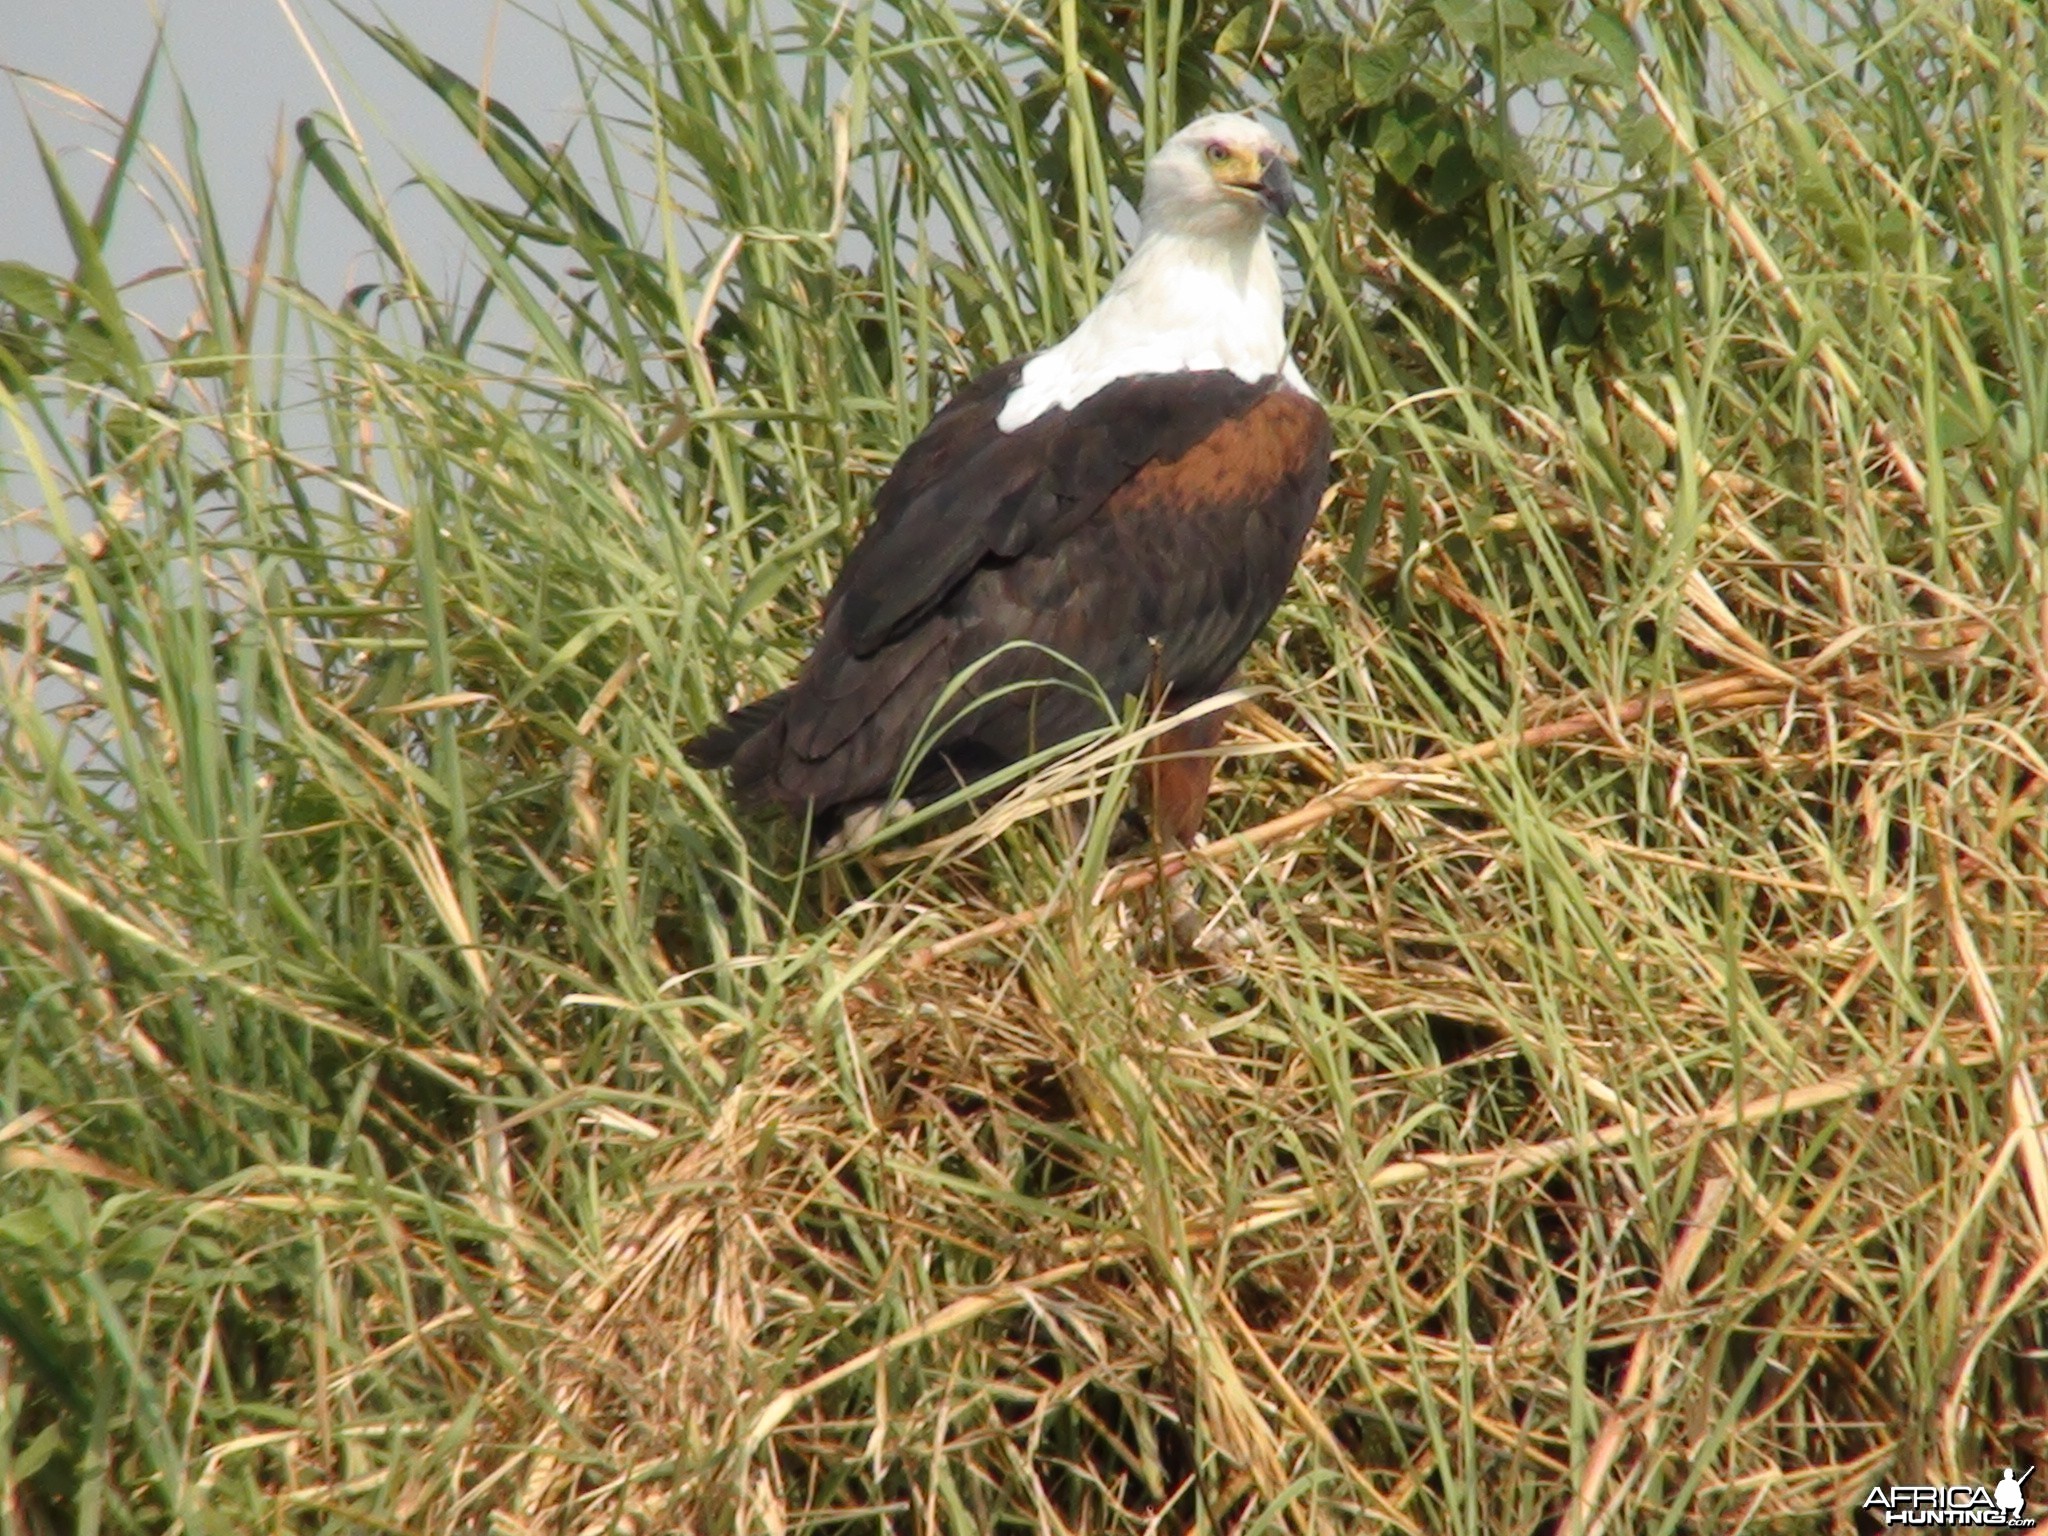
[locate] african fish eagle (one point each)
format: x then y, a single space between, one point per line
1129 504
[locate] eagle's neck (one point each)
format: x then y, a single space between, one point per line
1184 301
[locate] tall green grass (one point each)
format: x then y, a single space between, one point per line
429 1107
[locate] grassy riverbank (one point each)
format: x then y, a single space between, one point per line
429 1109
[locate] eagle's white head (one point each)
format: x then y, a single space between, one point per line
1222 175
1201 290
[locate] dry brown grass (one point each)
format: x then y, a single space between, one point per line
1399 1232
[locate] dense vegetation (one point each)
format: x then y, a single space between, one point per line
428 1108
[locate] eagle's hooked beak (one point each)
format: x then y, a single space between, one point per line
1265 178
1276 185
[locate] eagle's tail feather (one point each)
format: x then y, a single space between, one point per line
716 747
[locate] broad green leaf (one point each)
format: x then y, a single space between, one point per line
1378 70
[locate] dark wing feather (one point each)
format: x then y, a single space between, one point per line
1166 587
982 493
715 747
1144 537
955 432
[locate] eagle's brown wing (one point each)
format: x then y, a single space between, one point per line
1139 540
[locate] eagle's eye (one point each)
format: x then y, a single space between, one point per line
1218 154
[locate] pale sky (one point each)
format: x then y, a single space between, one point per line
248 78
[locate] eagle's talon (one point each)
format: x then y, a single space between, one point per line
863 825
1194 934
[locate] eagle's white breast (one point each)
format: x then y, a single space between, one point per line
1180 304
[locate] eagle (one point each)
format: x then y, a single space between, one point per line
1114 517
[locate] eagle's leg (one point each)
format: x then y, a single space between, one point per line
1176 786
1177 778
